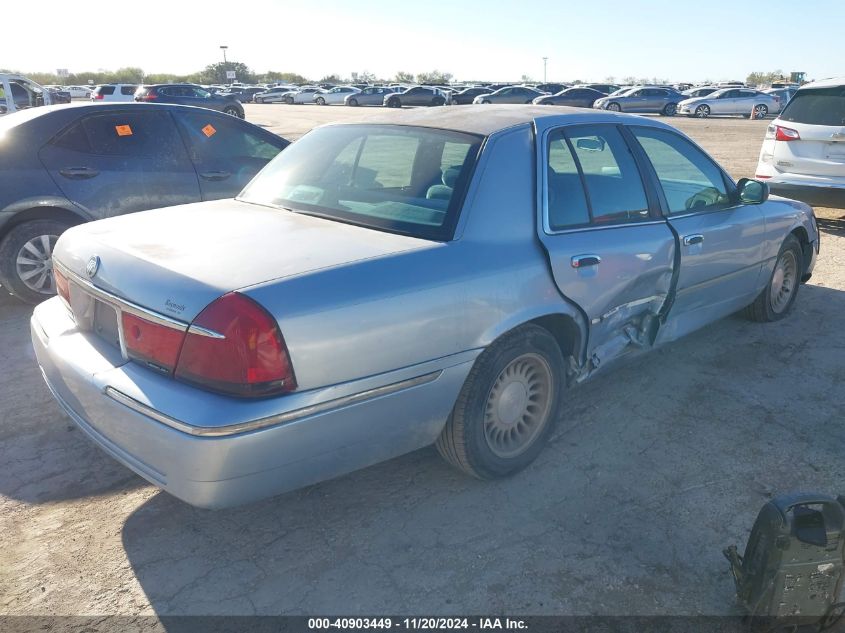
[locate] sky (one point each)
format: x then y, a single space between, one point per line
495 40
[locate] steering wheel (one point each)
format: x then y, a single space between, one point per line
704 198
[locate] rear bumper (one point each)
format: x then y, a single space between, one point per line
817 190
214 471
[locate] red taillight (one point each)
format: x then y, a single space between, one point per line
98 96
147 97
235 346
786 134
151 343
62 287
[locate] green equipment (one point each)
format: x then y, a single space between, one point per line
792 569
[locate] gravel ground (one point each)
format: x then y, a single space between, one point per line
655 468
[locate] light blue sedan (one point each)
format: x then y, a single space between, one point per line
440 276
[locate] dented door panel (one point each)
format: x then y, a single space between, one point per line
621 294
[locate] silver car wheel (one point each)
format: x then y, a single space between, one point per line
518 405
702 112
614 107
784 281
34 264
760 111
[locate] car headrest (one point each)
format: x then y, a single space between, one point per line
450 176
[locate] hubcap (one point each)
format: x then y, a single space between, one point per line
703 112
34 264
784 281
518 405
760 112
613 107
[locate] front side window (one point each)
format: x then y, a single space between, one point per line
689 179
399 179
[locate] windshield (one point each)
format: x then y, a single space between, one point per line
817 106
394 178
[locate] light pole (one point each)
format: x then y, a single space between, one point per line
223 48
545 59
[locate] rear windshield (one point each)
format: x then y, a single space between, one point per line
394 178
817 106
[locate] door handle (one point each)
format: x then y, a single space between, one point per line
215 175
582 261
78 173
691 240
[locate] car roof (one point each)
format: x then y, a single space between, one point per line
488 119
832 82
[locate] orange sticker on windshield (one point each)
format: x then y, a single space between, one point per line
208 130
123 130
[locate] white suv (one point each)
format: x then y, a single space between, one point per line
114 92
804 149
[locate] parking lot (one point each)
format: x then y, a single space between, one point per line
653 470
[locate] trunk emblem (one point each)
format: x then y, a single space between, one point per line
93 266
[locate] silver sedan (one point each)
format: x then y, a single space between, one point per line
439 276
731 101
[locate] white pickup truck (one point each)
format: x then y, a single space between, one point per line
18 93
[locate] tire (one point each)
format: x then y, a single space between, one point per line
259 100
289 100
232 111
475 438
614 107
394 103
777 298
670 109
760 111
438 101
320 101
352 102
34 241
486 101
702 111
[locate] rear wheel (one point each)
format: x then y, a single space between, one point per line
438 101
776 299
259 100
507 407
670 109
26 259
760 111
702 111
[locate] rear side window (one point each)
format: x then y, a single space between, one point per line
128 90
817 106
136 134
614 186
105 90
566 202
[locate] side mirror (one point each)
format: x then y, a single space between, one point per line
590 144
752 191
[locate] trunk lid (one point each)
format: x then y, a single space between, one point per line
177 260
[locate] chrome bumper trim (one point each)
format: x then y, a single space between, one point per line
273 420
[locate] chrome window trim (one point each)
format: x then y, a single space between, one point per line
273 420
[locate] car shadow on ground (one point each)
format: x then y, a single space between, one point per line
655 467
832 225
45 456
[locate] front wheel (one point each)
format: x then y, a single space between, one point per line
507 407
702 111
26 259
394 103
259 100
321 101
289 100
232 111
614 107
438 101
777 298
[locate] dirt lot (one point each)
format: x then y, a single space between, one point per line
655 468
